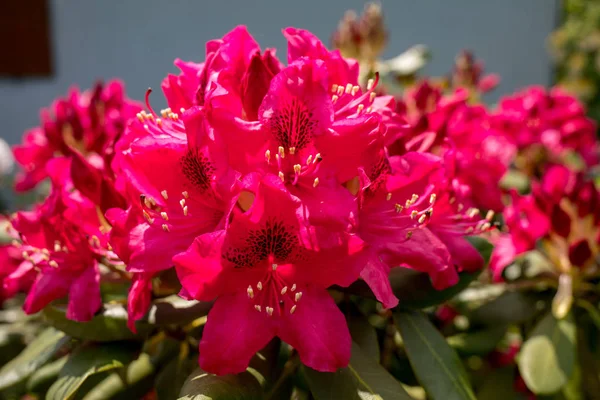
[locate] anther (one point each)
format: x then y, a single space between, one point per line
432 198
370 83
164 195
489 215
284 290
372 97
473 212
334 98
268 155
422 218
182 203
315 182
293 309
486 226
414 198
360 108
146 127
281 151
185 211
281 176
317 158
250 292
165 228
258 308
414 214
53 263
182 110
259 285
334 88
297 168
274 266
409 234
185 194
340 90
388 197
348 88
309 159
164 216
269 310
469 230
399 208
298 296
292 150
159 122
355 90
293 287
140 117
369 109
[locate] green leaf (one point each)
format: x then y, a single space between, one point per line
41 380
437 366
171 378
363 334
499 384
201 385
508 308
173 310
87 362
36 354
362 379
108 326
480 342
547 358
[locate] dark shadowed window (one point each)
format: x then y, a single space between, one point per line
25 32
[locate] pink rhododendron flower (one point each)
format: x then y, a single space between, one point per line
409 220
548 119
16 272
268 271
65 243
85 123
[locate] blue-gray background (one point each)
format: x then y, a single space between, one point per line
138 40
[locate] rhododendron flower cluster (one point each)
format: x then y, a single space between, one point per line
264 184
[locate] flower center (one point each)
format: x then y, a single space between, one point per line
273 295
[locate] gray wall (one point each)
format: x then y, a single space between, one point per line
138 40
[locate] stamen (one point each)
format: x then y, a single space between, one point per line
293 309
281 176
372 97
269 311
274 266
490 215
486 226
409 234
281 151
317 158
182 110
334 88
268 156
292 150
284 290
473 212
185 211
309 159
182 203
348 88
360 108
165 228
388 197
298 296
159 122
399 208
340 90
422 218
147 217
334 98
414 214
258 308
370 84
250 292
259 285
432 198
53 263
297 168
355 90
315 182
164 195
164 216
140 117
185 194
293 287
